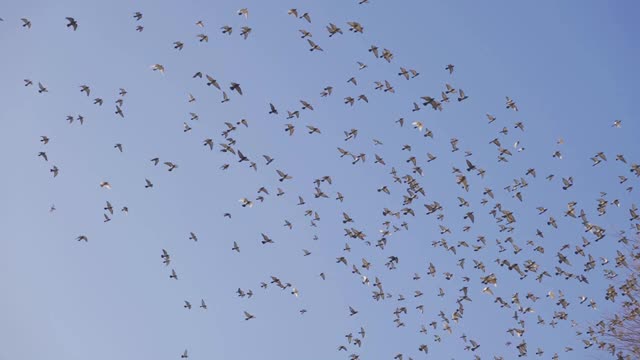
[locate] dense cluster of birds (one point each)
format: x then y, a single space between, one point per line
466 255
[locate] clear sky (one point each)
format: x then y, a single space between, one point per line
571 67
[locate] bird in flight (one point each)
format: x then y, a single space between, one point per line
236 87
449 68
42 88
71 22
158 67
313 46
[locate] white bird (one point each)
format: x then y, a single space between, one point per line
246 202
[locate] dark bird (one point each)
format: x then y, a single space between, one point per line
72 23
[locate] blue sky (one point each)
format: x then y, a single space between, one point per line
570 66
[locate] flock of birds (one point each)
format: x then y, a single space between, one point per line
576 263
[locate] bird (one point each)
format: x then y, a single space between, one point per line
72 23
511 104
333 29
268 159
305 33
158 67
313 46
248 316
170 166
212 81
26 23
236 87
449 68
355 26
290 129
327 91
462 95
245 202
283 176
42 88
109 208
245 31
266 239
